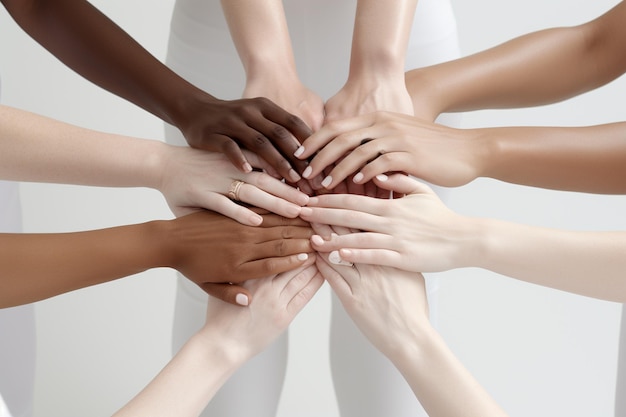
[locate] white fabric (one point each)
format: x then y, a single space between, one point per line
201 50
4 411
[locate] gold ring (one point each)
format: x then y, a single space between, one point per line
233 192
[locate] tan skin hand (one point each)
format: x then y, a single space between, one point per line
214 251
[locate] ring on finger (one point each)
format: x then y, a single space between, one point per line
233 191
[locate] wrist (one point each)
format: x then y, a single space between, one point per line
425 94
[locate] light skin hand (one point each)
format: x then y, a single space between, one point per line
190 178
229 338
382 142
414 233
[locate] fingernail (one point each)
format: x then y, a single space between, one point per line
256 220
247 167
357 178
242 299
327 181
303 199
293 175
303 257
334 258
306 211
317 240
299 151
307 172
313 200
382 177
293 210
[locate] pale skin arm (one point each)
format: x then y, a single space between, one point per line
261 35
418 233
229 338
200 246
389 306
376 77
538 68
586 159
38 149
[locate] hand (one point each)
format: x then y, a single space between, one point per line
413 233
257 125
367 94
277 300
215 251
388 305
192 179
289 93
383 142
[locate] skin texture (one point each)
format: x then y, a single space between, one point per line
418 233
96 48
229 338
199 245
38 149
389 306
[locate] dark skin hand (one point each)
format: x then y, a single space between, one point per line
95 47
200 245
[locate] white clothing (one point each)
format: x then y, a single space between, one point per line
200 49
4 411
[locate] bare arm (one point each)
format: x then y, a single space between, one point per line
229 338
99 50
200 246
418 233
538 68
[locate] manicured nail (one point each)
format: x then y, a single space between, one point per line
242 299
313 200
317 240
327 181
307 172
247 167
303 257
293 175
303 199
255 219
293 210
358 178
382 177
334 258
299 151
306 211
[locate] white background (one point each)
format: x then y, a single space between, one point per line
538 351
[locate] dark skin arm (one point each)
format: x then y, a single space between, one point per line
200 246
95 47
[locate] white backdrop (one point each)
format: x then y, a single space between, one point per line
538 351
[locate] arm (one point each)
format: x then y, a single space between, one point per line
92 45
200 246
389 306
418 233
260 33
538 68
585 159
38 149
229 338
376 78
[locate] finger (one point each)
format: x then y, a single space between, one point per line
351 161
323 230
274 220
328 132
272 266
389 162
295 125
402 184
384 257
354 188
351 202
278 188
281 248
251 194
230 148
223 205
336 281
231 293
302 288
359 240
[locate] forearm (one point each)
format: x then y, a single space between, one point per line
538 68
187 383
586 263
95 47
260 33
439 380
380 39
39 266
37 149
585 159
